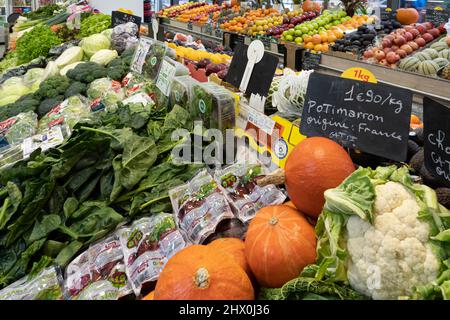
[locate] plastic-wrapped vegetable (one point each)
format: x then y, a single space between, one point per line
57 51
47 285
105 91
69 112
21 70
124 36
147 244
14 86
199 207
32 76
69 56
16 129
104 56
94 43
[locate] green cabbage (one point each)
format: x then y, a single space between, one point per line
108 33
104 56
14 86
94 43
7 100
51 70
32 76
69 56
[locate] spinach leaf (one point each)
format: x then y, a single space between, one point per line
8 258
139 155
56 201
30 213
176 119
117 186
70 206
106 185
37 267
154 129
42 229
69 252
87 189
52 248
11 204
79 178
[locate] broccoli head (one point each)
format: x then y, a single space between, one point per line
87 72
52 87
117 69
48 104
24 104
76 88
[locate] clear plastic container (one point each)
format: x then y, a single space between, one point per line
214 105
181 93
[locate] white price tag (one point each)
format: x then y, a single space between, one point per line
51 138
261 121
155 27
165 77
140 55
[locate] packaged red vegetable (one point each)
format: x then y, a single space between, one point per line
238 183
147 245
199 207
99 272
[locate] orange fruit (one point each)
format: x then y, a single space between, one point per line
318 47
415 119
332 38
316 39
314 166
325 47
309 45
149 296
308 39
324 37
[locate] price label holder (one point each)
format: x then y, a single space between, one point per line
141 54
252 69
190 25
373 118
118 17
437 16
359 74
155 27
165 77
436 120
311 61
386 14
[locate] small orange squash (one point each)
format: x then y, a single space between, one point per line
407 15
308 5
235 247
150 296
201 272
279 244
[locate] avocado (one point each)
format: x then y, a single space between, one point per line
417 136
413 148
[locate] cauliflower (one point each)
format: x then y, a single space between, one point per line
385 236
397 243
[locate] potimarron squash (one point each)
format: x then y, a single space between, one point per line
203 273
235 247
279 244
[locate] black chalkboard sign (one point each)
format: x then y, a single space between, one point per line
437 17
118 18
311 61
436 127
190 25
371 117
262 74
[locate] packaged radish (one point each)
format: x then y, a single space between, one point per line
199 207
239 184
147 245
98 273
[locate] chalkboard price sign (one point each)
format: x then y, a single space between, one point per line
436 119
311 61
437 17
371 117
189 25
118 18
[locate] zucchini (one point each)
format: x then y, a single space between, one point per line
60 18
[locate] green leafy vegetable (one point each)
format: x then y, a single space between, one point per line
35 43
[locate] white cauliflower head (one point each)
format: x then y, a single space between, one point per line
388 258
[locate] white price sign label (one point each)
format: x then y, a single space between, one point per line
165 77
261 121
140 55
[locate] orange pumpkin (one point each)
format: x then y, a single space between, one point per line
150 296
290 204
235 247
407 15
279 244
315 165
316 7
201 272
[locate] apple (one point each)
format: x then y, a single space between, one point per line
400 31
368 54
387 50
383 62
427 37
434 32
408 28
389 37
428 25
415 33
407 48
392 57
379 54
386 43
413 45
408 36
399 40
420 41
395 47
421 28
401 53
